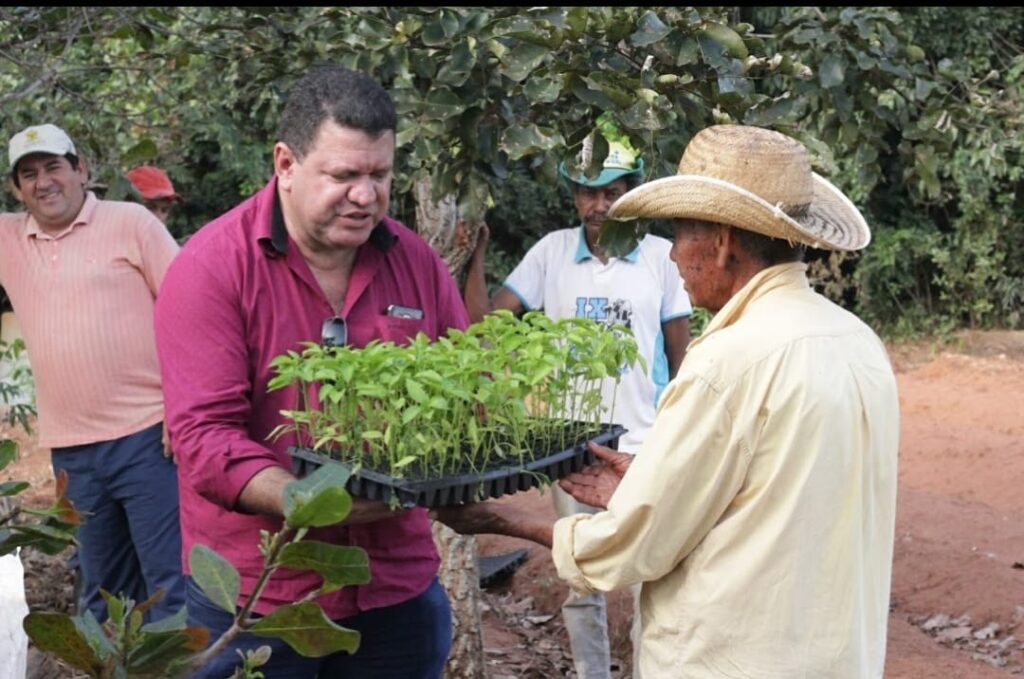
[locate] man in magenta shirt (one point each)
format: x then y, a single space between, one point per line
313 246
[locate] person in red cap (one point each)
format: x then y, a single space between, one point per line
156 189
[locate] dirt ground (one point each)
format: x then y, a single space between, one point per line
958 574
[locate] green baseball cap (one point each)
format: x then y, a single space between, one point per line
620 162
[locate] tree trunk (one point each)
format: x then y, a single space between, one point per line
460 571
436 222
460 574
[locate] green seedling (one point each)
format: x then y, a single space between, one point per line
486 397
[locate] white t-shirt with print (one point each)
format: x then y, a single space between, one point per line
641 290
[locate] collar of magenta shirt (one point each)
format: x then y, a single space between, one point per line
275 242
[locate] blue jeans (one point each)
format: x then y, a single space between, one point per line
127 492
410 640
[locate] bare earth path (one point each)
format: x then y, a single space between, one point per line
958 576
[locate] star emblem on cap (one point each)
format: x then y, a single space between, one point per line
32 135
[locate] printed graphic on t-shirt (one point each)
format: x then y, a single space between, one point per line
608 313
605 311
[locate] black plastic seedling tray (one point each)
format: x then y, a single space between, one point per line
463 488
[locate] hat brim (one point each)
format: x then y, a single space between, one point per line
830 222
45 150
607 176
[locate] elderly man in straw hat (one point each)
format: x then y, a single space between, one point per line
759 515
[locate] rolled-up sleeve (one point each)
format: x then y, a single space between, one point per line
682 480
204 365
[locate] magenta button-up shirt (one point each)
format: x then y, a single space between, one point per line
239 294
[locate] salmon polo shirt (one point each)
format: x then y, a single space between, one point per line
84 301
239 294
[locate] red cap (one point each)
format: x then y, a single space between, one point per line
152 182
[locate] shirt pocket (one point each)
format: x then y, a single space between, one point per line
399 330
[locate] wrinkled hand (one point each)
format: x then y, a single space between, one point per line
596 484
495 517
165 439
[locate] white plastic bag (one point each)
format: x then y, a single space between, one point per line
13 609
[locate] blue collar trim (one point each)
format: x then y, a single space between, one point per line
583 252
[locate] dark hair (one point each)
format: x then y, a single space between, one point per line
72 160
770 251
345 97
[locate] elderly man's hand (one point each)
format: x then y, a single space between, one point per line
596 484
477 517
494 517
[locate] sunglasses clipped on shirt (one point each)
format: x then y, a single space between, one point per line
334 332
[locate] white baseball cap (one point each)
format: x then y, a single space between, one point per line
39 139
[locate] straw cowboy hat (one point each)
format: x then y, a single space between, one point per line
753 179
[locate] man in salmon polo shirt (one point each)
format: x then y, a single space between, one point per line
82 275
312 257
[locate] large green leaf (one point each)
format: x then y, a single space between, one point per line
444 27
521 60
522 140
306 629
651 30
459 65
215 576
769 112
618 237
141 152
177 621
832 71
12 487
441 103
8 452
158 650
56 633
543 90
320 499
339 565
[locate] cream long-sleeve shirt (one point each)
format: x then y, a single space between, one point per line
760 515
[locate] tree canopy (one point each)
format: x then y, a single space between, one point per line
920 131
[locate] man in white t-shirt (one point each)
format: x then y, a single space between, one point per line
566 273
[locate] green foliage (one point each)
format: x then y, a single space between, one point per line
920 109
124 647
307 630
319 499
215 576
431 409
50 529
699 321
15 385
911 111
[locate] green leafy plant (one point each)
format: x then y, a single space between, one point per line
16 384
123 646
51 528
469 401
